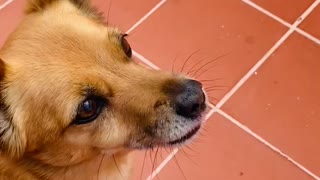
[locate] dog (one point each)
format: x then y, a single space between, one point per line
73 99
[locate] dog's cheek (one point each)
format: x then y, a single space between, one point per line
109 132
79 136
64 154
12 140
72 147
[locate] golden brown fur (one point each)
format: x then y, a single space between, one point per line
60 53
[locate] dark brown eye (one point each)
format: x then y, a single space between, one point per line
89 110
126 46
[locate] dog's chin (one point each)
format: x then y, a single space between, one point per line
188 135
185 138
182 137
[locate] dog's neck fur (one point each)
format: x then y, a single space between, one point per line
115 166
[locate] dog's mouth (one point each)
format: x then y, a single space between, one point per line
187 136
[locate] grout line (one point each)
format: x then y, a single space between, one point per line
5 4
210 113
144 60
268 13
305 14
267 55
259 138
174 152
211 106
146 16
163 164
309 36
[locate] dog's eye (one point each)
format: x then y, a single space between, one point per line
89 110
126 46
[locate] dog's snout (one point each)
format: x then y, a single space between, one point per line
190 101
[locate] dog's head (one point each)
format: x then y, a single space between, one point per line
70 90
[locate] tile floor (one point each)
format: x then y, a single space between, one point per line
259 61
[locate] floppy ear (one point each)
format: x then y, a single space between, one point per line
12 141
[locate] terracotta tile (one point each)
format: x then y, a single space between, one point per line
123 13
288 10
2 2
227 152
218 28
281 102
10 17
311 23
147 161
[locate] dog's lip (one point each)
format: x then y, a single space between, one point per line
186 136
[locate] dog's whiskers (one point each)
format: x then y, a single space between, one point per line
187 60
173 63
206 64
108 12
66 169
98 173
176 160
116 164
144 160
192 68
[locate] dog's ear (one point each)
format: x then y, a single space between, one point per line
12 141
40 5
83 5
2 68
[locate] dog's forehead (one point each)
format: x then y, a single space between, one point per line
68 47
44 41
63 33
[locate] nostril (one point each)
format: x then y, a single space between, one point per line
195 107
189 102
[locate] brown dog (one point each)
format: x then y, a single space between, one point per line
71 96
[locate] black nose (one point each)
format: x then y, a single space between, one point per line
190 102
